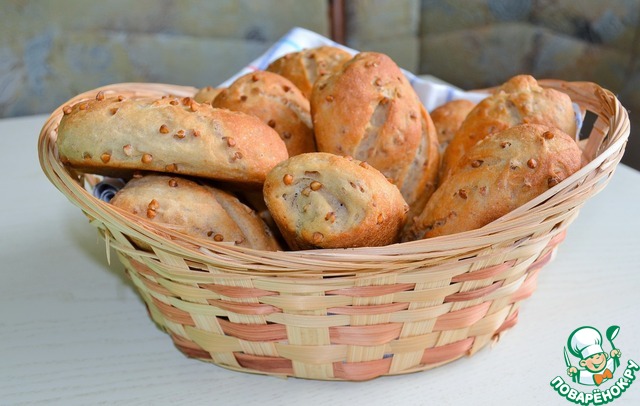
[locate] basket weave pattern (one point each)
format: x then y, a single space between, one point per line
345 314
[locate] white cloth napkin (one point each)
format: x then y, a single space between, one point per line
431 93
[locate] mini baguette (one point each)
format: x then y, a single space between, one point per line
520 100
113 137
194 209
448 118
207 94
321 200
369 110
303 68
277 102
497 175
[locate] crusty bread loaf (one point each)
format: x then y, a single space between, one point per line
369 110
194 209
304 67
497 175
447 119
520 100
111 136
277 102
321 200
207 94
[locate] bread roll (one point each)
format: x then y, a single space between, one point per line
518 101
321 200
110 136
369 110
277 102
497 175
303 68
207 94
447 119
196 210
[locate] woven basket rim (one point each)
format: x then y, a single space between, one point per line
604 148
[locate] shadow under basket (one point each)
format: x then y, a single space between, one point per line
352 314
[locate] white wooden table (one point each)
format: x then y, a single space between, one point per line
74 332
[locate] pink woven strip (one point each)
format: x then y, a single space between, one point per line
189 348
141 268
237 291
483 273
509 322
361 371
461 318
156 287
540 262
369 310
145 270
446 352
365 335
473 294
373 290
173 314
272 365
254 332
527 288
557 239
244 308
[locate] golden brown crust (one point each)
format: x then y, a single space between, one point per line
497 175
321 200
207 94
520 100
369 111
277 102
196 210
111 137
447 119
303 68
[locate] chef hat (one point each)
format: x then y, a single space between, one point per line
585 341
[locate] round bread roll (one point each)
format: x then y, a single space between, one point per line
369 110
207 94
303 68
277 102
520 100
115 136
447 119
497 175
321 200
196 210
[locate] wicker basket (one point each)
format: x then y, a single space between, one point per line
350 314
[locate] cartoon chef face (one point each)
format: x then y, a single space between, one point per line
586 344
595 363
